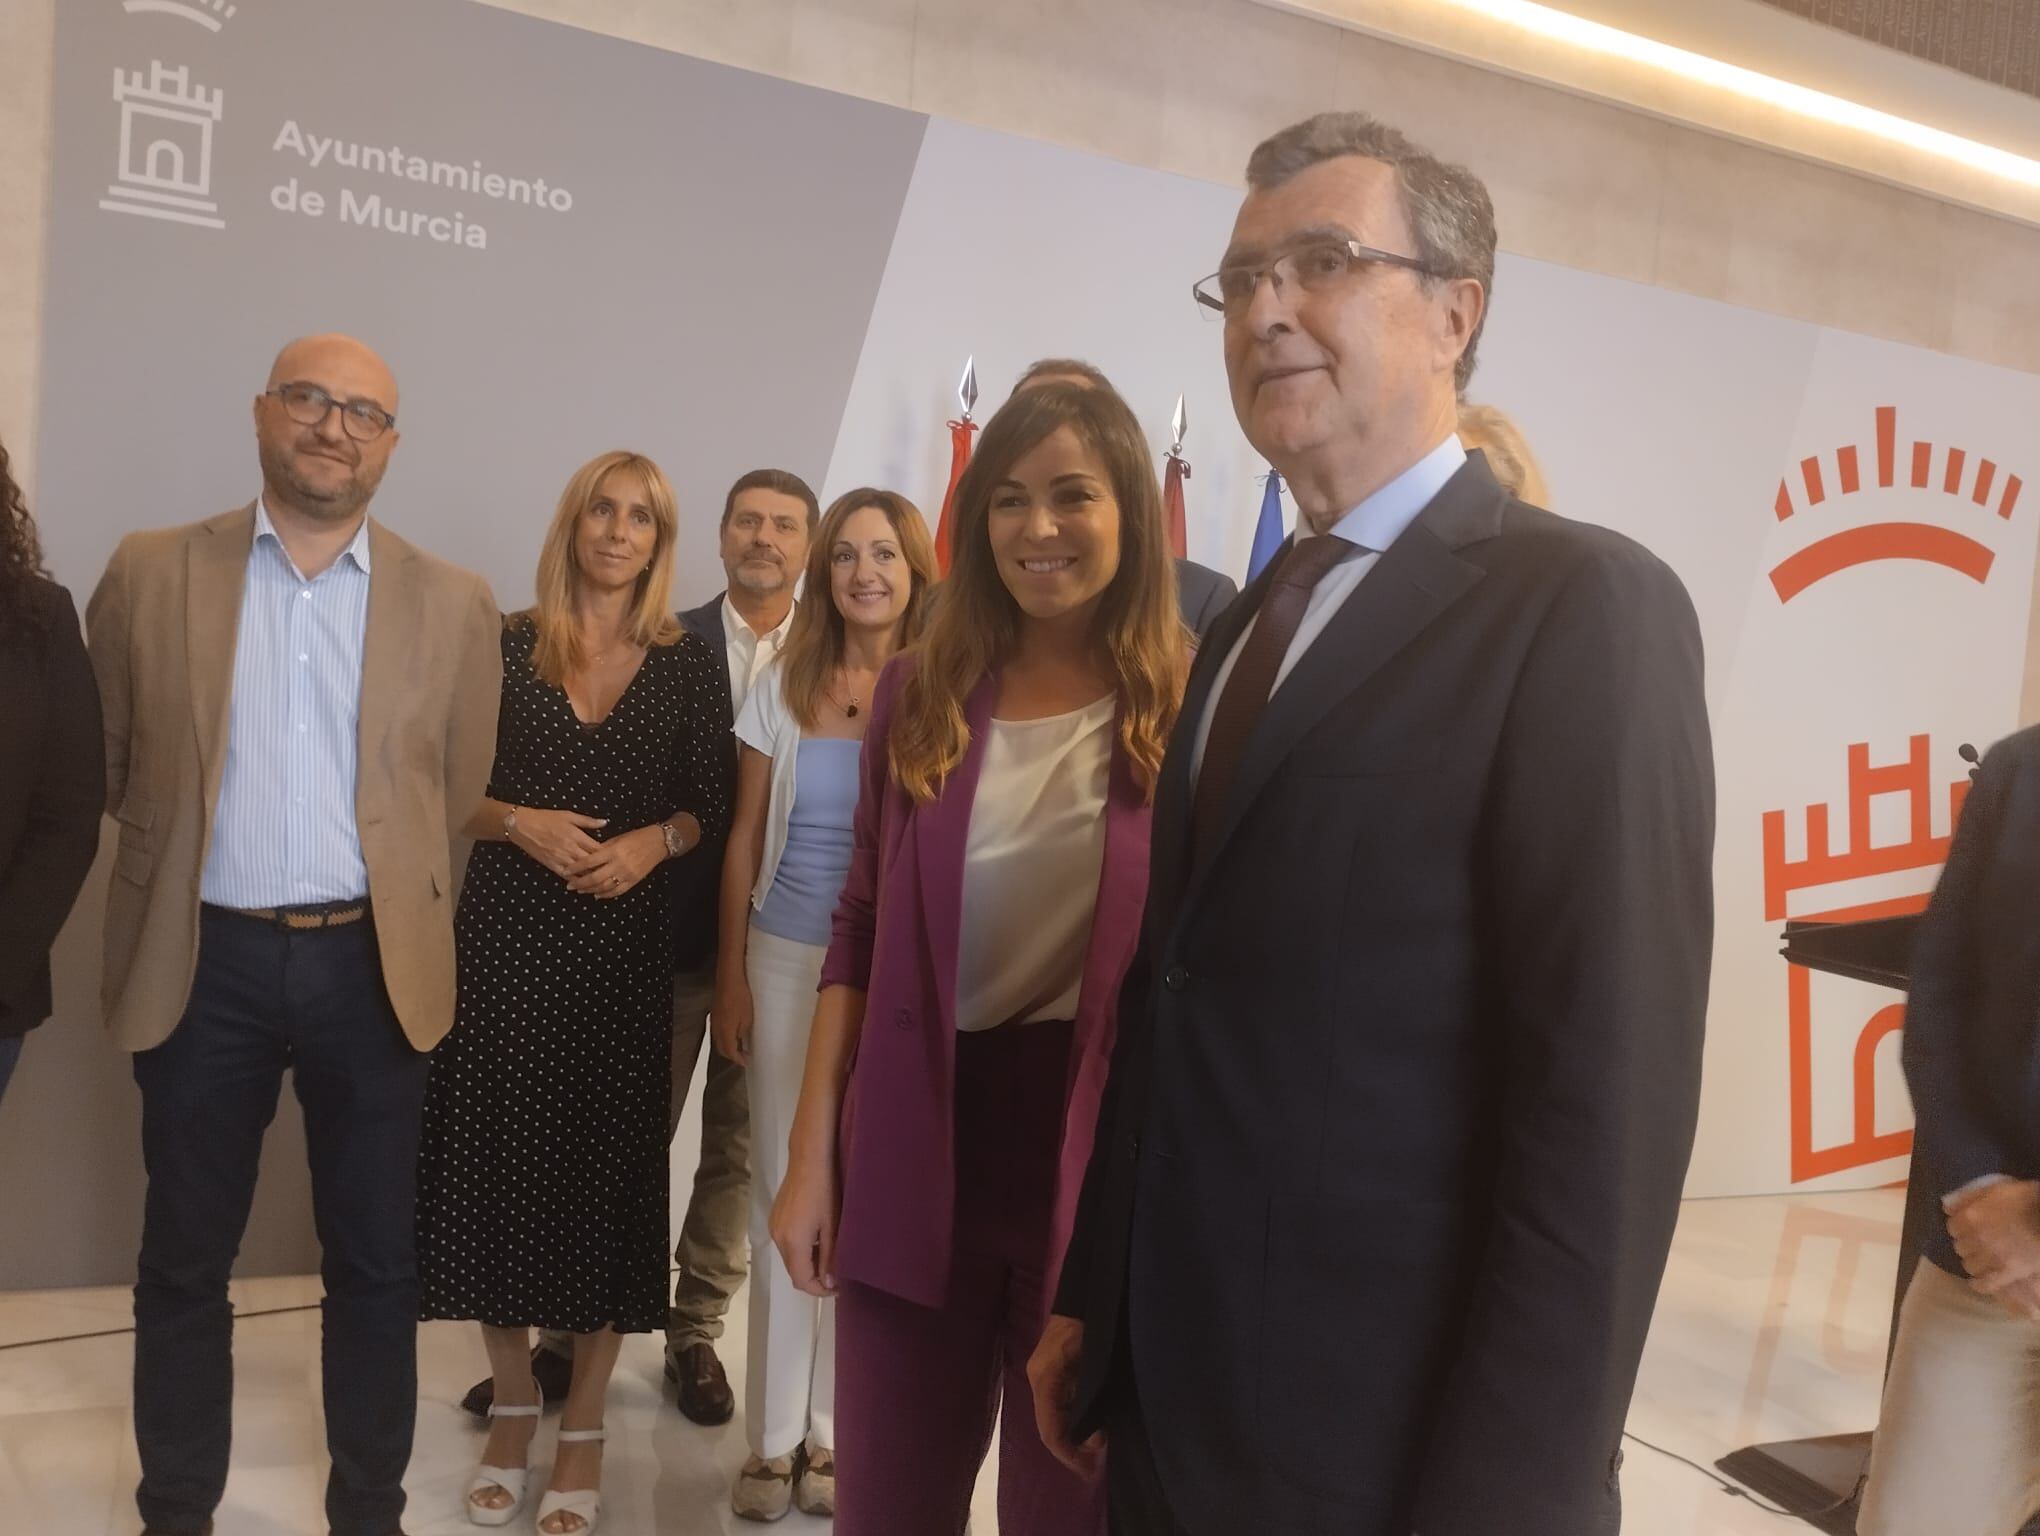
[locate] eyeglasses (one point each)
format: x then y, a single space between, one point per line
307 405
1313 266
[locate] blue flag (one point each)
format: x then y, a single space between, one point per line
1268 532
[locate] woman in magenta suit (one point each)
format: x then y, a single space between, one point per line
966 1016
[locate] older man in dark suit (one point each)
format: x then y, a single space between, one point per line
1408 1070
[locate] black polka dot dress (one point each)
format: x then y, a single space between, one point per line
542 1177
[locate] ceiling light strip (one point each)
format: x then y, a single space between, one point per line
1600 38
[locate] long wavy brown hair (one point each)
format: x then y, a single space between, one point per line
814 641
556 655
975 625
21 558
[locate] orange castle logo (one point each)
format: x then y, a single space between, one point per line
1948 471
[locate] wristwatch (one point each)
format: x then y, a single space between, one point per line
510 825
674 846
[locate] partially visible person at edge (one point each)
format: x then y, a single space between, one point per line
1493 432
300 716
1409 1066
52 775
767 519
1957 1451
990 913
542 1179
1202 594
870 573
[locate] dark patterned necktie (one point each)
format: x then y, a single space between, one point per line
1253 676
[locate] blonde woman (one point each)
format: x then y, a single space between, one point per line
1494 432
800 732
542 1179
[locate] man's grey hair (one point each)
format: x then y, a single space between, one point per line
1448 206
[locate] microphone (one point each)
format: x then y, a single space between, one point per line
1968 755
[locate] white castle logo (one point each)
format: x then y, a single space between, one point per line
210 14
166 144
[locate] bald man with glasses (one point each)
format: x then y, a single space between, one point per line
300 713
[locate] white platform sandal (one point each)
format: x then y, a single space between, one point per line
584 1504
510 1479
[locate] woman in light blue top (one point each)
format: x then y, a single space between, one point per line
801 731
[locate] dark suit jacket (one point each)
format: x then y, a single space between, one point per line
1203 594
1972 1024
696 889
1409 1065
52 794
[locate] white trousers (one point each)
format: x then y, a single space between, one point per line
790 1384
1957 1451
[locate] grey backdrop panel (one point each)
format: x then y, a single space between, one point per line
703 299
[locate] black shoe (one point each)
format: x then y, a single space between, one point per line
700 1384
552 1371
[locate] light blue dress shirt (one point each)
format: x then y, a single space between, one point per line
1370 528
284 834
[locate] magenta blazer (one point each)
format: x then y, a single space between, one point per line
895 938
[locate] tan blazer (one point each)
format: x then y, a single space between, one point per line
161 630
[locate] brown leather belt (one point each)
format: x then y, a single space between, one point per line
330 914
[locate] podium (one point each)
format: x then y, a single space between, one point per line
1878 950
1821 1480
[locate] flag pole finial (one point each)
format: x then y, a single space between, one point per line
1177 422
966 388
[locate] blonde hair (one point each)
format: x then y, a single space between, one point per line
973 629
556 655
814 641
1508 452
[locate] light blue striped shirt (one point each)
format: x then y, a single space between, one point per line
284 834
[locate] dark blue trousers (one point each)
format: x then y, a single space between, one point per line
266 1001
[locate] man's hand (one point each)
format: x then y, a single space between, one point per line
1058 1359
1997 1234
730 1019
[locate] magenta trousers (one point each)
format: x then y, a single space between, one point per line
918 1389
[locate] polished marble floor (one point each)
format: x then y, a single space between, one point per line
1771 1326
